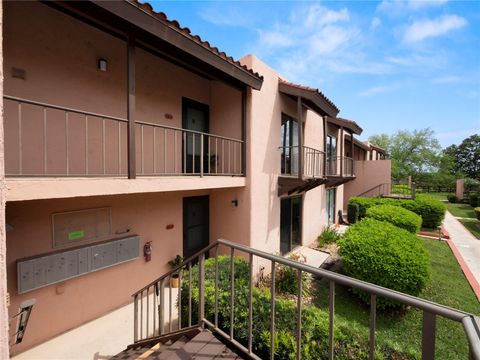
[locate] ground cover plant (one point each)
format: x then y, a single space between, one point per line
328 236
397 216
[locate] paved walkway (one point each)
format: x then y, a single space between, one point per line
467 245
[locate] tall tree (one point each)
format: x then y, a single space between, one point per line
381 140
412 153
467 156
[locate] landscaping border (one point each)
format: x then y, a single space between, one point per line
468 273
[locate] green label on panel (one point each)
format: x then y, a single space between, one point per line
73 235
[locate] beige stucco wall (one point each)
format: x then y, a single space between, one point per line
264 138
73 302
61 69
4 353
368 175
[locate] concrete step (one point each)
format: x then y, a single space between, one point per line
202 346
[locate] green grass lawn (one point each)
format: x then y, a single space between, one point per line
402 332
473 226
439 196
461 210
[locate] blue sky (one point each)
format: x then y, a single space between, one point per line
389 65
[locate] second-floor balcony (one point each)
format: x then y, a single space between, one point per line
313 164
47 140
340 166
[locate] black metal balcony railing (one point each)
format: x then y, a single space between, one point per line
313 161
340 166
150 314
44 140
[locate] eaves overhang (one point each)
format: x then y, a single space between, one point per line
314 98
143 17
345 123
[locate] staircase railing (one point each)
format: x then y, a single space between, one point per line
389 189
149 304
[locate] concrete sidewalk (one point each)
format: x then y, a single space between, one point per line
467 245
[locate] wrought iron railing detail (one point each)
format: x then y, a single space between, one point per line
150 309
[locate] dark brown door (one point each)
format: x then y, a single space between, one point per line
195 224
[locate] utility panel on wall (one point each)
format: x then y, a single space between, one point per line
82 226
59 266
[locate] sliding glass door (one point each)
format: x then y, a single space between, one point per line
290 223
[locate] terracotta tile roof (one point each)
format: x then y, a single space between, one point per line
350 123
313 90
174 24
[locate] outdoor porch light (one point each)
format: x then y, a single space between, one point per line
102 64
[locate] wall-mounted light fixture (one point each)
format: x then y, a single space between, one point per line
102 64
235 202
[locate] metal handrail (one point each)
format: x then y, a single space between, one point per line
430 310
64 108
210 154
313 165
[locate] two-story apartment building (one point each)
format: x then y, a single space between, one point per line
123 133
128 140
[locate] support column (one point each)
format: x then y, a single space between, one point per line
244 132
342 151
353 153
300 137
131 106
325 120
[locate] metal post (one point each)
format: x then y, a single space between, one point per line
373 324
331 317
250 305
161 321
325 119
272 314
428 336
201 289
131 106
135 318
342 152
232 291
353 157
201 155
299 315
216 286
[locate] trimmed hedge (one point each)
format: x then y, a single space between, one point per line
452 198
353 213
383 254
477 212
397 216
473 200
351 340
430 209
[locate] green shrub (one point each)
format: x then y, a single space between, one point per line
401 189
452 198
473 200
351 340
353 212
286 278
363 204
430 209
328 236
477 212
397 216
383 254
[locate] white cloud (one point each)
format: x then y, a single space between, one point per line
424 29
399 7
377 90
376 22
275 39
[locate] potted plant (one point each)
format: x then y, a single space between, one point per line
175 283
